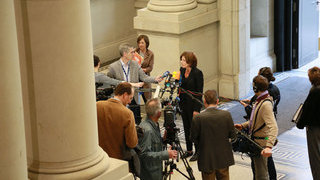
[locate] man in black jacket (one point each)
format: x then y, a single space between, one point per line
212 129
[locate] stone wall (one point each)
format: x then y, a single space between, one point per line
112 24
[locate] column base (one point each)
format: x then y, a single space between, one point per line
88 168
118 170
171 6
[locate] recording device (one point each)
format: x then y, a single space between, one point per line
103 93
246 145
171 107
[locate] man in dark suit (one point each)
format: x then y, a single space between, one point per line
130 71
212 129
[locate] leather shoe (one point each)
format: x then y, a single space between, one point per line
194 157
187 154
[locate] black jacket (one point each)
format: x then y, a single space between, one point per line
193 83
311 109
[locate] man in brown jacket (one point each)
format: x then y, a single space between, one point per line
116 126
212 129
262 126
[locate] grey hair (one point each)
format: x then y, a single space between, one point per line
124 48
153 106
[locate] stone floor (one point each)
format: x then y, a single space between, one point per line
290 155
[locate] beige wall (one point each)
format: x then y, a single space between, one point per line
204 43
112 24
232 70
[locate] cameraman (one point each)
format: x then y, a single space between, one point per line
152 153
105 80
262 126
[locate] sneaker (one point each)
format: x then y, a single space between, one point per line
187 154
194 157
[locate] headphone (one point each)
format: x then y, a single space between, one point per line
255 88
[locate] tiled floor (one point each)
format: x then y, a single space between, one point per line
290 155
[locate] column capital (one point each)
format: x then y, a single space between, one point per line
171 6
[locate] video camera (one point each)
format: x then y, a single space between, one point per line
103 93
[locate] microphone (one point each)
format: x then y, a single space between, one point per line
176 75
165 74
156 94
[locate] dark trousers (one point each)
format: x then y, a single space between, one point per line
271 169
220 174
313 139
135 108
187 115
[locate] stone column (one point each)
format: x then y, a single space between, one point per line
206 1
171 5
171 33
13 162
58 78
234 48
138 4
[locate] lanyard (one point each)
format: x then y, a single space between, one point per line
126 73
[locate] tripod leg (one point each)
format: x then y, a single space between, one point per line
185 161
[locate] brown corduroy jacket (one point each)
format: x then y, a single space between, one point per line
116 128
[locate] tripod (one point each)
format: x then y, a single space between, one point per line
170 165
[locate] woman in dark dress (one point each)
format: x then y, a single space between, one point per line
192 83
311 120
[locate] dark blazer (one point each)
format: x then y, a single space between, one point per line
212 129
310 110
194 83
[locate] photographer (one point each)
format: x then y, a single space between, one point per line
151 144
116 126
102 78
262 126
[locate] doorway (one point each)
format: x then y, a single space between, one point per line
305 46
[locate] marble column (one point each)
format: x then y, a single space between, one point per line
171 5
138 4
206 1
234 51
13 162
59 92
